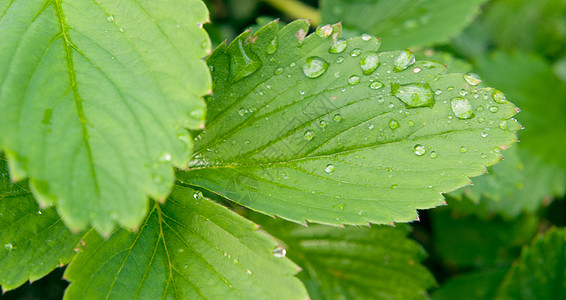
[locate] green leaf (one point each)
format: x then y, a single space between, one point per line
468 241
471 286
402 23
187 248
355 262
33 242
340 148
95 100
540 273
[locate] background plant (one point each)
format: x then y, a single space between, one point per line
100 101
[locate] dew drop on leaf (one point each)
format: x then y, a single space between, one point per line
369 63
279 252
376 85
354 79
462 108
340 59
494 109
278 71
8 247
356 52
339 46
110 18
433 155
503 125
315 66
419 149
309 135
323 123
403 60
272 46
393 124
499 97
414 94
472 78
330 169
337 117
463 149
324 31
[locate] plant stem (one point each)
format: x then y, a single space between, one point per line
296 10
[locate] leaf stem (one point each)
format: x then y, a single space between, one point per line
296 10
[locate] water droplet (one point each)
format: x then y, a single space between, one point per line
356 52
354 79
472 78
483 155
243 111
417 70
419 149
433 155
180 250
366 37
499 97
244 63
330 169
249 271
376 85
309 135
503 125
463 149
339 46
279 252
323 123
8 247
302 92
198 195
370 126
165 157
463 92
38 212
278 71
462 108
337 117
484 134
369 63
403 60
324 31
394 186
414 94
272 47
121 29
315 66
110 18
393 124
481 120
494 109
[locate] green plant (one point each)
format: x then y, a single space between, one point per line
149 170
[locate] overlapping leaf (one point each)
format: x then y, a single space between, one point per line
540 273
355 262
95 98
472 286
402 23
341 147
189 248
33 241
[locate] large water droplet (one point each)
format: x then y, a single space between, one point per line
472 78
314 67
462 108
337 117
244 62
324 31
414 94
309 135
339 46
369 63
419 149
272 46
354 79
403 60
393 124
330 169
499 97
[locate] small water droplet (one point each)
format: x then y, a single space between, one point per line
8 246
419 149
121 29
249 271
110 18
324 31
278 71
366 37
503 125
483 155
356 52
309 135
498 97
417 70
403 60
472 78
484 134
243 111
165 157
433 155
462 108
323 123
394 186
463 149
339 46
393 124
39 212
376 85
337 117
340 60
315 66
354 79
370 126
369 63
279 252
494 109
330 169
414 94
